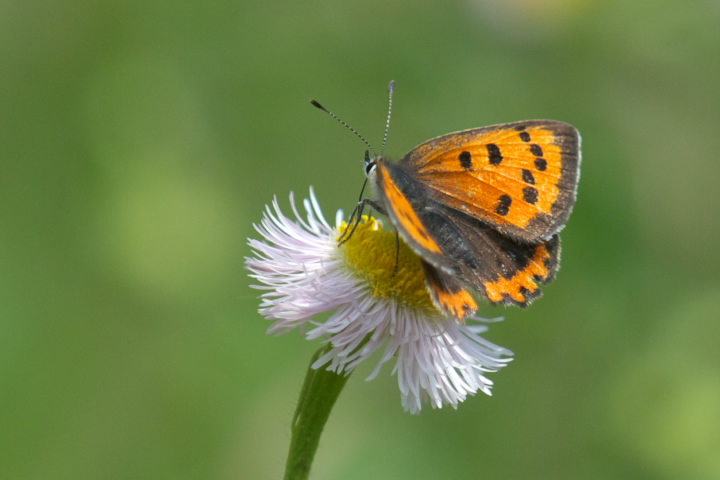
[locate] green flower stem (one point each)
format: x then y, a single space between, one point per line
318 395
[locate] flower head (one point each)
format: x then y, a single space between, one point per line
379 302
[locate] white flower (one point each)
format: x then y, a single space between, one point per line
379 302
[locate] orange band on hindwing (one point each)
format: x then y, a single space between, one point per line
521 286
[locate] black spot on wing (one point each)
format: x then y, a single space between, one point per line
494 155
503 205
530 195
536 150
528 177
465 160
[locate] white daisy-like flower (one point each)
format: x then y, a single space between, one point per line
379 302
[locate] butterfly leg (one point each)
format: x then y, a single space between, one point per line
356 217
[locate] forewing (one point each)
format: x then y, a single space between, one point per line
519 177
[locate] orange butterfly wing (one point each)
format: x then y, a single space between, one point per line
521 178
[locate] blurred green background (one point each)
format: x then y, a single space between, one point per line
140 140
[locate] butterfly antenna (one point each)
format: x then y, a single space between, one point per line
317 104
391 90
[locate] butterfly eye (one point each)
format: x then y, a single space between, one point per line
369 163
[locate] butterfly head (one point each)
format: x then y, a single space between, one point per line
371 172
370 163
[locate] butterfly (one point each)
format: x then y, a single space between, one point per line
483 208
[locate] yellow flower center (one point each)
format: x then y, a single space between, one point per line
373 254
